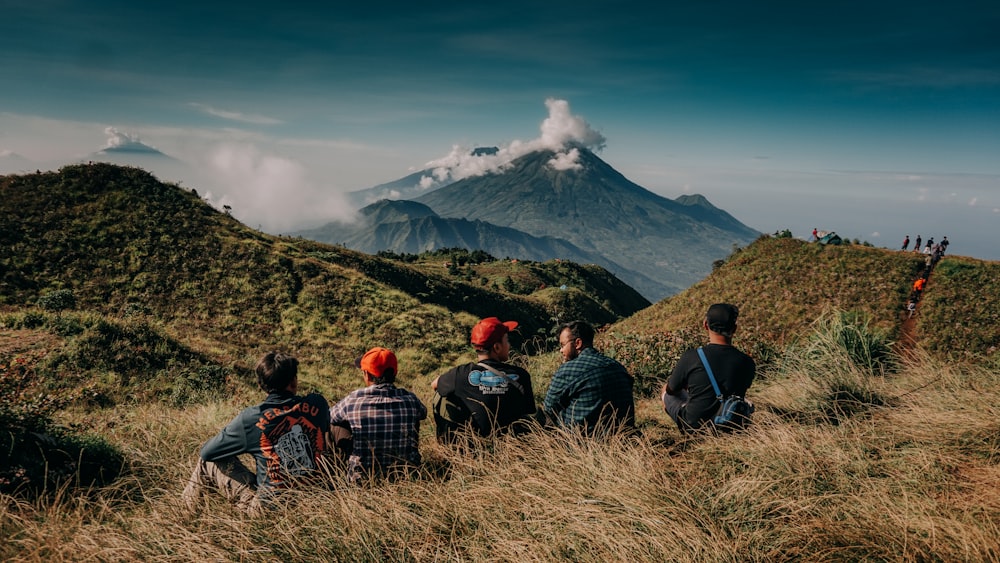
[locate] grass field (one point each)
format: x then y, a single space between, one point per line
841 465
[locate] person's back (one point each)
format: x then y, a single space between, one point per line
285 434
489 395
589 390
495 403
384 419
688 396
385 425
734 372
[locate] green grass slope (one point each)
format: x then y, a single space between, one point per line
122 242
783 286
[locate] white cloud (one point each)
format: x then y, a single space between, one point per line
237 116
562 129
973 202
270 191
876 234
561 132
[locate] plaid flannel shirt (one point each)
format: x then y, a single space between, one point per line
385 424
590 390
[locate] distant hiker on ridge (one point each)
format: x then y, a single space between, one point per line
285 434
906 242
688 396
489 395
589 391
916 244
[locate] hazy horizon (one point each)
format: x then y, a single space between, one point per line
875 121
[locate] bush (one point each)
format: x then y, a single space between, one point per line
867 347
36 455
57 301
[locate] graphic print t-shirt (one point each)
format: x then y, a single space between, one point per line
292 437
491 398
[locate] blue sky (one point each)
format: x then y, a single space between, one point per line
874 119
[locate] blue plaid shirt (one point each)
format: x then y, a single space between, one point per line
591 389
385 423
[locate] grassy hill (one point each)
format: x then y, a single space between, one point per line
783 286
125 244
130 312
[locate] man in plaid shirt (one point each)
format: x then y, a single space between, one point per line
384 420
589 390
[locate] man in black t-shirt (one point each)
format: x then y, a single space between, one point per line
688 397
487 396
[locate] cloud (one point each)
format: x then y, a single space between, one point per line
561 132
566 161
562 129
237 116
920 77
271 191
876 234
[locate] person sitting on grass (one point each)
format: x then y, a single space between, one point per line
489 395
285 435
688 396
589 391
384 420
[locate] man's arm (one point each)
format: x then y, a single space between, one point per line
556 398
230 441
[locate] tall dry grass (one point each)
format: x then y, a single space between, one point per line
912 476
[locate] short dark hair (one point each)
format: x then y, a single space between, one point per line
581 330
276 370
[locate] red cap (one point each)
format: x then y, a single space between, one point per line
377 361
489 331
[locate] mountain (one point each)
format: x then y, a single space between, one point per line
411 227
782 286
11 162
412 185
663 245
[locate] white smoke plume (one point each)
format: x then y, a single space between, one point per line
124 141
561 132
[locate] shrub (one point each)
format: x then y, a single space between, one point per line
36 455
57 301
867 347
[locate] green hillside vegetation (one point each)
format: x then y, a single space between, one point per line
569 289
131 313
783 286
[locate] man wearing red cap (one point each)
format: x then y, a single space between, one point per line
384 419
489 395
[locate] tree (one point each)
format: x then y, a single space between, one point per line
58 300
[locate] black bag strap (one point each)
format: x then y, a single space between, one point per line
509 379
708 370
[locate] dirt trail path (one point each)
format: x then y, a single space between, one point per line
907 334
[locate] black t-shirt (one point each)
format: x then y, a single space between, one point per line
495 403
734 372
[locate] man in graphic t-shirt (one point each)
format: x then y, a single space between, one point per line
688 397
489 395
285 435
